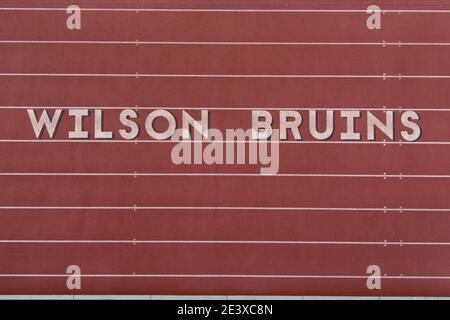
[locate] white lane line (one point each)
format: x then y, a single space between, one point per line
241 242
403 143
209 297
232 76
422 109
225 43
223 10
262 276
222 208
171 174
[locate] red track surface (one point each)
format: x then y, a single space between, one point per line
399 221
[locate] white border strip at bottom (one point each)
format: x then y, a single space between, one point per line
156 297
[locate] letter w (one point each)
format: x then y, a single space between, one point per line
44 121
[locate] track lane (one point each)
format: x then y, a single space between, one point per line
231 192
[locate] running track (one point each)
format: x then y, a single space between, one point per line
137 224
